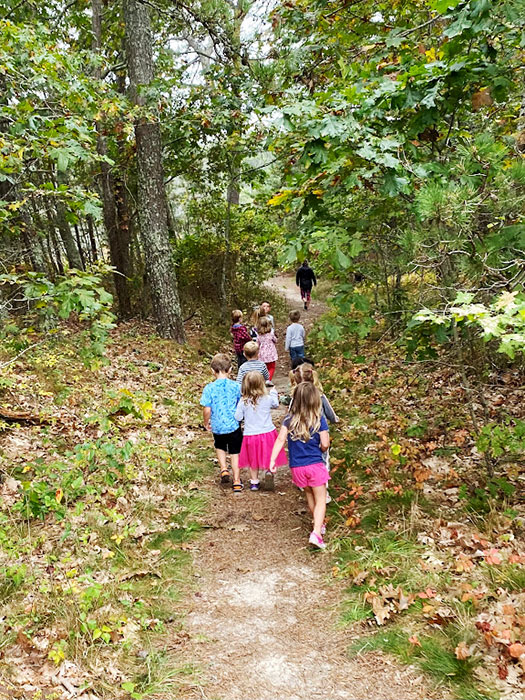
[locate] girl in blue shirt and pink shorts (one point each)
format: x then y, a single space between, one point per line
306 429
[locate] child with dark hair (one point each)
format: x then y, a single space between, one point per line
295 334
240 336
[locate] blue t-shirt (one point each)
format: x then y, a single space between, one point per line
222 397
301 454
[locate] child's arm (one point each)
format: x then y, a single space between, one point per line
239 411
287 340
328 411
325 440
206 415
265 373
274 396
277 447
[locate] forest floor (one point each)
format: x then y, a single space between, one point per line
264 620
127 571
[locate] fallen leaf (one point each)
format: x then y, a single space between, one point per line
414 640
516 650
492 557
462 651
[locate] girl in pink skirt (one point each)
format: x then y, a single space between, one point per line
260 434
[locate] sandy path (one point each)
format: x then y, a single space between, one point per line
263 624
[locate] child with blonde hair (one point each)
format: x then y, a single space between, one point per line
259 433
267 344
306 373
306 429
251 352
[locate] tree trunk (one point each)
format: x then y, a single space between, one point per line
70 246
151 194
92 240
118 238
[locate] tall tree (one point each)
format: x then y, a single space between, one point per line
151 194
117 231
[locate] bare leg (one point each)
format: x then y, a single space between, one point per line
234 459
254 474
221 456
309 499
319 511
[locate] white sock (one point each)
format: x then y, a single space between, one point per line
254 481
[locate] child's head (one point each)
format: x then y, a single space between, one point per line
264 326
304 373
254 318
302 360
265 308
294 315
221 364
251 350
236 316
253 387
305 412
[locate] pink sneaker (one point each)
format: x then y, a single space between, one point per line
316 540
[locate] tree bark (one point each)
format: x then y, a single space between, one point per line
151 194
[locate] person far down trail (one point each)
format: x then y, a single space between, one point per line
305 279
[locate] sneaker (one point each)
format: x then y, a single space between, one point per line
254 486
269 483
237 488
316 540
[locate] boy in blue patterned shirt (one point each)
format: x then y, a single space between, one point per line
219 400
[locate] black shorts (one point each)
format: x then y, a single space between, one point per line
228 442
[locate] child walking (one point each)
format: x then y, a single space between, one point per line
251 352
219 400
306 429
260 434
267 344
295 333
265 311
240 336
306 373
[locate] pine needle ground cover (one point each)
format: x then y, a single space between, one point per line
432 547
99 510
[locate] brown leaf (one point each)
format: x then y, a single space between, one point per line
414 640
462 651
481 99
360 578
257 516
516 650
139 574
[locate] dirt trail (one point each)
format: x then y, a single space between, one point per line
263 624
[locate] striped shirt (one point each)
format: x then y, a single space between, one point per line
252 366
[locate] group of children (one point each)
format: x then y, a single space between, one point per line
250 399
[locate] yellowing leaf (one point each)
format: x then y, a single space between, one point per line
279 198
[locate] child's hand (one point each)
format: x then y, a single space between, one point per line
208 426
272 467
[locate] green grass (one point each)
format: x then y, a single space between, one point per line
435 656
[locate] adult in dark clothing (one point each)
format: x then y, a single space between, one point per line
305 279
